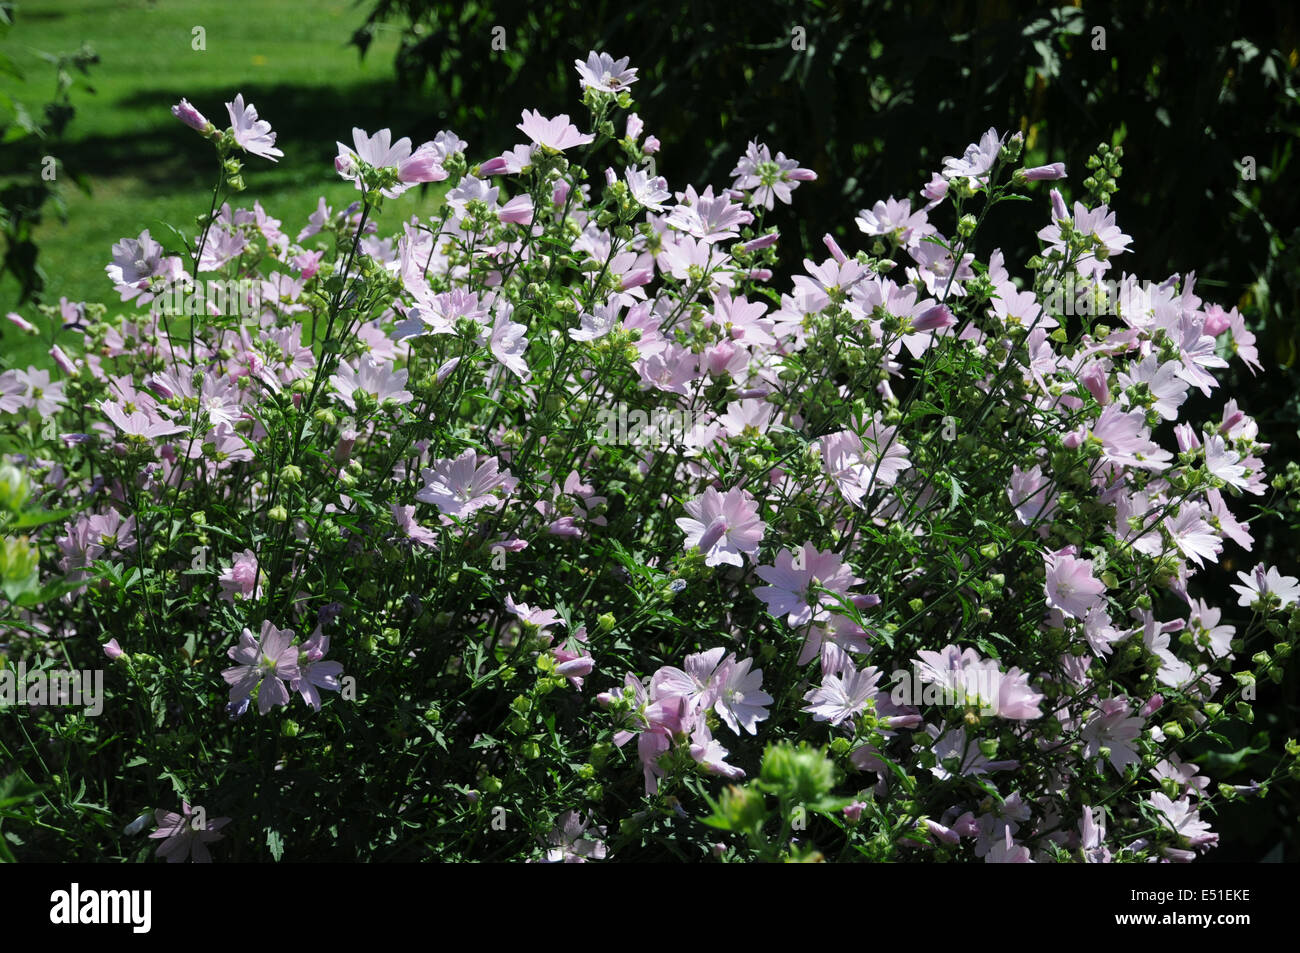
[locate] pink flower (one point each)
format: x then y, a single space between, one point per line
769 178
378 381
461 486
509 342
314 674
191 117
253 135
569 842
555 134
183 839
741 702
1259 585
242 578
795 577
1070 584
603 73
1042 173
723 526
380 152
264 665
843 696
976 162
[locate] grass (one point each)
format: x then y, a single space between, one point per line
291 59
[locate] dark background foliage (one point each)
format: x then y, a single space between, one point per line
1203 98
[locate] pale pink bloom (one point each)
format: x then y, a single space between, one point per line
1222 462
593 327
404 518
40 392
572 660
542 618
1007 851
843 696
379 381
21 323
461 486
557 134
1126 441
741 701
138 423
509 343
1097 224
315 674
1183 818
253 135
569 842
791 581
1260 584
747 416
517 211
183 840
139 269
242 578
1032 495
894 218
649 191
1243 341
265 663
191 117
1162 383
859 464
1114 727
603 73
976 162
769 178
698 684
1044 173
723 526
708 217
1194 537
1070 585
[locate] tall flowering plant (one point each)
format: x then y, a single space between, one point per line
552 527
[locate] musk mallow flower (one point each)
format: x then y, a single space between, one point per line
769 178
378 382
187 114
976 162
557 134
461 486
379 151
741 701
314 673
182 838
723 526
139 268
252 134
1070 585
569 842
795 582
843 696
1260 585
605 74
264 665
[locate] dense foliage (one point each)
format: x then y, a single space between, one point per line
558 527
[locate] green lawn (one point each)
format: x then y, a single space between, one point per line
288 57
